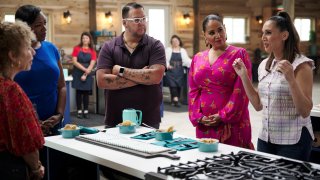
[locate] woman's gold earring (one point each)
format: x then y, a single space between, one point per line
205 41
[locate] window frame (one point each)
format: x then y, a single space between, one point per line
312 26
246 26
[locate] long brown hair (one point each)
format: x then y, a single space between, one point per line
291 44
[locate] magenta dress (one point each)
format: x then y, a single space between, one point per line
216 89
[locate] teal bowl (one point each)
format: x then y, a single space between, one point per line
69 133
163 136
127 129
208 147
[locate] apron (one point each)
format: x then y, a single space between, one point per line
175 75
84 59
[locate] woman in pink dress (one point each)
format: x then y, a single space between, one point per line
218 105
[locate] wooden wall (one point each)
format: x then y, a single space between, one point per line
253 8
68 35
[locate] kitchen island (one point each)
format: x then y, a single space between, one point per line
315 112
131 164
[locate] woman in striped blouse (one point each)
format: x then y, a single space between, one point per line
284 92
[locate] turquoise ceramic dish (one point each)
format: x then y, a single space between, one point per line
127 129
69 133
208 147
164 136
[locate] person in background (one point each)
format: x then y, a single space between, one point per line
44 83
84 58
284 92
176 57
218 105
20 132
130 68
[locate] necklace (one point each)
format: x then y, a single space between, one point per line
128 46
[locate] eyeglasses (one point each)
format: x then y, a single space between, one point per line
137 20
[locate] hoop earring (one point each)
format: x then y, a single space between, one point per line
206 42
11 65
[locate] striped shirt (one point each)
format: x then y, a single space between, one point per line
281 124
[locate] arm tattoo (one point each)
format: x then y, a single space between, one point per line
119 82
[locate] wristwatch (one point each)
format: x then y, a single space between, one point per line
121 71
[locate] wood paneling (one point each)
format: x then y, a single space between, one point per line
68 35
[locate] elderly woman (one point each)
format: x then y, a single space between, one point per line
20 132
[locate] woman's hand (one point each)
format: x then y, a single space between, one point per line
239 67
45 127
83 77
215 120
37 174
55 119
169 67
285 67
87 71
212 120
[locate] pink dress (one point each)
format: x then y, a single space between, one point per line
216 89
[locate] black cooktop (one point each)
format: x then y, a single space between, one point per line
242 165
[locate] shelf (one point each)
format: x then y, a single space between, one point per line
105 36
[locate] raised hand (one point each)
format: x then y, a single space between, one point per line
285 67
239 67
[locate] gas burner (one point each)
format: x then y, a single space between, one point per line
243 165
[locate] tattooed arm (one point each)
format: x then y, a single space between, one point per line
106 80
147 76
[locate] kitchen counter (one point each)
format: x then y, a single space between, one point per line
67 118
315 112
127 163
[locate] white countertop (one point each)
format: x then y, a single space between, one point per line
315 111
129 164
69 78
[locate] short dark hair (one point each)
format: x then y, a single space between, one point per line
127 7
291 45
27 13
177 37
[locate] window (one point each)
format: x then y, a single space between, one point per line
9 18
156 26
303 26
236 29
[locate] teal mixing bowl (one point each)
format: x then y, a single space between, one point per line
127 129
66 133
163 136
208 147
